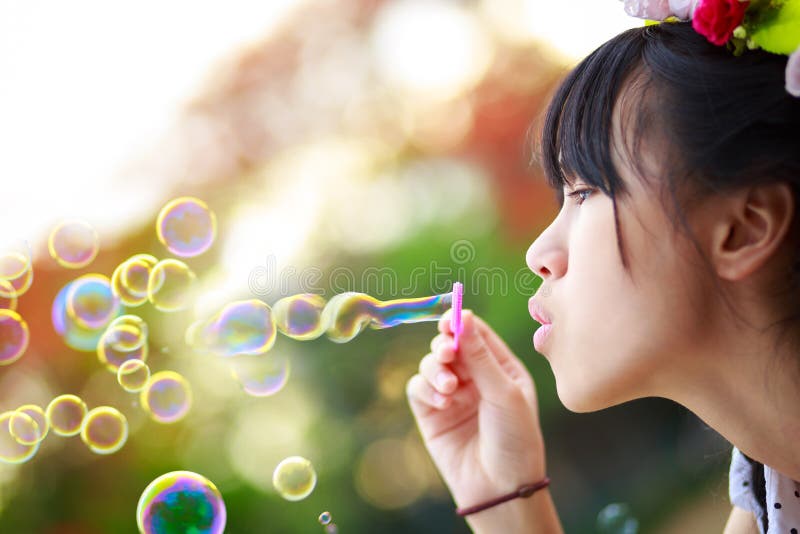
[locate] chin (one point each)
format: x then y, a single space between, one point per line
583 399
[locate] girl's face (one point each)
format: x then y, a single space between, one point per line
617 335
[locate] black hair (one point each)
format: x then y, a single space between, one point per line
716 121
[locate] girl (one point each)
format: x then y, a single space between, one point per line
671 270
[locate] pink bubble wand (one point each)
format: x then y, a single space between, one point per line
455 319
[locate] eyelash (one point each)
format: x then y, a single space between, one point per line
577 192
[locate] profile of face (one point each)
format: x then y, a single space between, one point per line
617 334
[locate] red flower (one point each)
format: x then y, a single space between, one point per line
716 19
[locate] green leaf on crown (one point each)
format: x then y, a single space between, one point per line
778 30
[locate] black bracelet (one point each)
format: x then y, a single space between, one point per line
523 491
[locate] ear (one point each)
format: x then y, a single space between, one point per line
749 229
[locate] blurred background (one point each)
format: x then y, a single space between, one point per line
344 145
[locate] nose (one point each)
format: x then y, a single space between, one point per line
545 258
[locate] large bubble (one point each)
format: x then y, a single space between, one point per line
14 336
65 414
186 226
75 335
167 397
171 284
90 301
294 478
300 316
73 244
181 502
241 327
104 430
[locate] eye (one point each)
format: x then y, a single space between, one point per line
578 193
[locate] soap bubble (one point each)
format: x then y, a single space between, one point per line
167 397
241 327
261 376
29 424
24 428
133 375
75 335
331 529
73 244
11 450
186 226
347 314
616 518
127 333
112 348
16 268
170 285
8 295
300 316
90 301
181 501
65 414
14 336
294 478
131 278
104 430
324 518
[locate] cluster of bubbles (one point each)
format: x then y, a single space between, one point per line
104 429
294 478
617 518
16 277
181 501
326 520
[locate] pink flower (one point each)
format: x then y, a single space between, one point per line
716 19
793 74
660 9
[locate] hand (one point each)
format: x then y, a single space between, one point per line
477 412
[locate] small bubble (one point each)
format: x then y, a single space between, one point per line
133 375
294 478
167 397
616 518
186 226
105 430
73 244
65 414
324 518
171 285
14 336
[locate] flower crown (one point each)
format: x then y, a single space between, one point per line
772 25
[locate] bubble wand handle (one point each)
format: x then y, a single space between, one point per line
455 319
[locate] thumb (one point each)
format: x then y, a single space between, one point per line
480 362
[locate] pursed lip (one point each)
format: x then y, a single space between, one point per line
538 312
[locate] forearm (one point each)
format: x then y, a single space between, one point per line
533 515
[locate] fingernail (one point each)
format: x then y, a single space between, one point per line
439 399
443 379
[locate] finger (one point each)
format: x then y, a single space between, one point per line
481 362
438 376
444 322
512 365
422 397
443 346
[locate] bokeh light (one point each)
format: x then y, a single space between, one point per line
73 243
181 501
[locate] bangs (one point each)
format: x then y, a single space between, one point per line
577 138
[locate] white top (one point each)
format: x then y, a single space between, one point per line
783 496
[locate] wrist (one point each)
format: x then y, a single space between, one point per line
531 515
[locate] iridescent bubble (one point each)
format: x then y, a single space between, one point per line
104 430
616 518
186 226
11 450
181 501
24 428
170 285
21 427
347 314
241 327
16 268
324 518
133 375
127 332
167 397
112 348
65 414
294 478
131 278
300 316
261 376
90 301
75 335
73 244
14 336
8 295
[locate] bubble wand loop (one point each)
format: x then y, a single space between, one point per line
455 319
